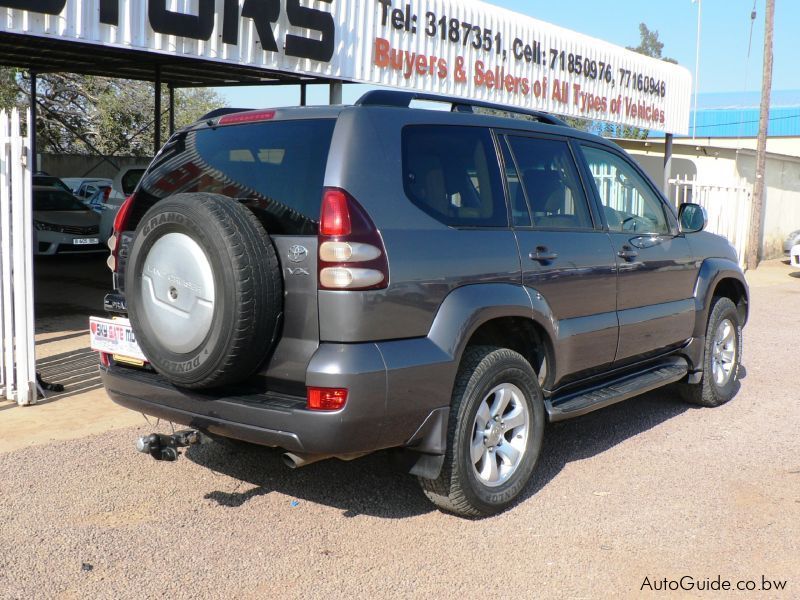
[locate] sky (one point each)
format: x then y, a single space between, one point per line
725 34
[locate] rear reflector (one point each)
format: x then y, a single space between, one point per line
250 116
325 398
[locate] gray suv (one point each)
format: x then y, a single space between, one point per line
333 281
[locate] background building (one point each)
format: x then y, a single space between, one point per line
717 167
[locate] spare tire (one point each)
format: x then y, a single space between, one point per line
204 290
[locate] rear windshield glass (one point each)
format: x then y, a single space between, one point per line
276 168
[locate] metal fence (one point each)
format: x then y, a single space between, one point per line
17 351
728 207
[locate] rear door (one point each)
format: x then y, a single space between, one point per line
276 168
566 256
657 271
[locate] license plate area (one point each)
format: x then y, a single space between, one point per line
85 241
115 337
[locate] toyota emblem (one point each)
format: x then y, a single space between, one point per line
297 253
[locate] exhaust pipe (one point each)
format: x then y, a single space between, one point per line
295 460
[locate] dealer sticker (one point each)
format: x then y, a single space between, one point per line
114 336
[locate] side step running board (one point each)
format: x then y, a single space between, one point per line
585 401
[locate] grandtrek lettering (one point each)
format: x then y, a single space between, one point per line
161 220
321 28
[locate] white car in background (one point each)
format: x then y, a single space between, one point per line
123 185
794 256
63 225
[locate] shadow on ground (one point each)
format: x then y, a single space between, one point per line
77 371
373 487
68 289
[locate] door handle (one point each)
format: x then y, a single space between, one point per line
628 253
542 254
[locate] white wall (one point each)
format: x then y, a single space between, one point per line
727 167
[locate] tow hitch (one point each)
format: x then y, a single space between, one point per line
165 447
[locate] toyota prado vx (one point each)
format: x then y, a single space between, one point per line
333 281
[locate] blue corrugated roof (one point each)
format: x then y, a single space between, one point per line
736 115
743 122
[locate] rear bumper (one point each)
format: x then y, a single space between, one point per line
272 419
398 394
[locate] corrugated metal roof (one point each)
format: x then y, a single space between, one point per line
743 122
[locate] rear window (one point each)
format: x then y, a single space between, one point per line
451 173
275 168
130 179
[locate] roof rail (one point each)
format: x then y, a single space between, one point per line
403 99
219 112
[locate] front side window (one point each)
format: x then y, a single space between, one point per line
629 204
452 174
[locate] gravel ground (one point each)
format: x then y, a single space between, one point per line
648 488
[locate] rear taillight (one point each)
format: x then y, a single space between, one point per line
335 214
106 194
351 252
122 214
120 221
325 398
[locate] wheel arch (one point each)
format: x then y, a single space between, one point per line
719 277
503 315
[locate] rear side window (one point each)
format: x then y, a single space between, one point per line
452 174
276 168
551 183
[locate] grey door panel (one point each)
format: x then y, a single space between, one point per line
579 285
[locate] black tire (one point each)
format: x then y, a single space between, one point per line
247 286
707 392
458 488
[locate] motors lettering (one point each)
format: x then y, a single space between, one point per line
265 14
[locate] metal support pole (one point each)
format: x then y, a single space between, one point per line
32 124
667 163
336 92
171 110
303 94
157 133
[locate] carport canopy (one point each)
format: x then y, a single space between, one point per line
48 55
463 49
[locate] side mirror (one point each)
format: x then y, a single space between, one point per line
692 218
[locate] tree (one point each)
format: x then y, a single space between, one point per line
649 45
80 114
9 92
